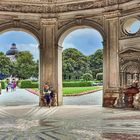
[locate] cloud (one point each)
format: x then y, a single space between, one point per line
85 40
33 48
66 45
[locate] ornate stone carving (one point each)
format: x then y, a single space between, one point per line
55 6
50 21
128 55
62 23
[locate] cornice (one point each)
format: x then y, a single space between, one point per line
59 6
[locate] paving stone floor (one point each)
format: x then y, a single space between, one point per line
68 123
18 97
94 98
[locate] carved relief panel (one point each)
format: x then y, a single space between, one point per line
129 67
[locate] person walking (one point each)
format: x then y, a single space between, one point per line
0 87
14 84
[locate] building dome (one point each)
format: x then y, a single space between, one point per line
13 50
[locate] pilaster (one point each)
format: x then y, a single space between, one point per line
48 54
112 86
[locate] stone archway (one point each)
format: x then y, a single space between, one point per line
19 26
48 20
70 27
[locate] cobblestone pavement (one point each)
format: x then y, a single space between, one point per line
94 98
68 123
18 97
23 97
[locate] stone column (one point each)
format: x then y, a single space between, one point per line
48 54
112 81
60 97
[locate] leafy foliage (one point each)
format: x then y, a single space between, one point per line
99 76
5 65
87 77
75 64
77 84
25 65
3 84
28 84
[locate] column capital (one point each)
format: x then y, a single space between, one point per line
49 21
112 14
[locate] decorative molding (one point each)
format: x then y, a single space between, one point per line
49 6
49 22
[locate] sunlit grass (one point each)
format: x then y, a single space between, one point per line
77 90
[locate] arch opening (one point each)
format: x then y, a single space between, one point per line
20 67
82 46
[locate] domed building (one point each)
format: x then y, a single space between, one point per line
12 52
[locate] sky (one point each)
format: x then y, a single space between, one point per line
86 40
24 41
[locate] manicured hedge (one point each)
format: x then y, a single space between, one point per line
3 84
34 85
77 84
28 84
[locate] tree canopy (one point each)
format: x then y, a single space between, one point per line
76 64
24 67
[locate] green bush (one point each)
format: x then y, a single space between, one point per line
25 84
3 84
87 77
77 84
28 84
18 82
99 76
34 85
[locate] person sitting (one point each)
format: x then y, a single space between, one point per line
52 97
47 92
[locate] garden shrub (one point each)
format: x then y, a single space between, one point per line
99 76
77 84
87 77
3 84
25 84
28 84
34 85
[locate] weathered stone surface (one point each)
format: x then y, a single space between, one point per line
50 21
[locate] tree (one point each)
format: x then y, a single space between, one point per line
99 76
87 77
5 65
96 62
74 64
35 69
25 65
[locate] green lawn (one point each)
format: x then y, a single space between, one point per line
77 90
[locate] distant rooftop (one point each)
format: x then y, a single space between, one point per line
13 50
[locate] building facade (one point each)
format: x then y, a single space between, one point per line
50 21
12 52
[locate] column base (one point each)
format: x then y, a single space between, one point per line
110 96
